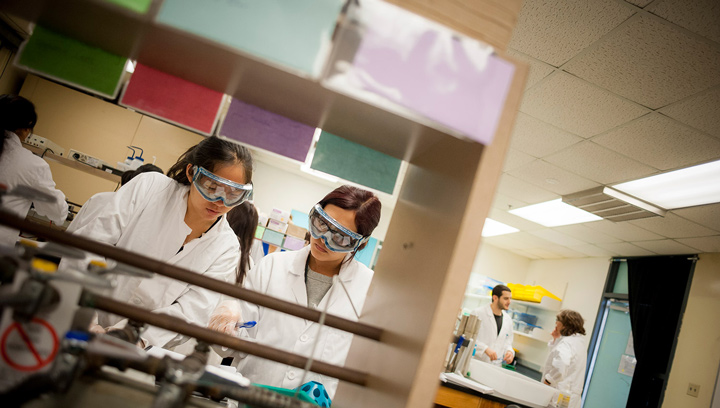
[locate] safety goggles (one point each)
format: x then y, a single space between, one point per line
216 188
336 237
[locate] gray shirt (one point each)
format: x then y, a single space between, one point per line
317 286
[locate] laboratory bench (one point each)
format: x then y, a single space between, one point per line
456 396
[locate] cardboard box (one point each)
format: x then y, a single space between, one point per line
295 231
276 225
280 215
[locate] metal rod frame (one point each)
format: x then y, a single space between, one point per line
188 276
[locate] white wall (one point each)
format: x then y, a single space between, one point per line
286 187
500 264
697 354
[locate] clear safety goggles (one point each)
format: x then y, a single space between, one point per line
216 188
336 237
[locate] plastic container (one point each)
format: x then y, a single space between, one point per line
525 317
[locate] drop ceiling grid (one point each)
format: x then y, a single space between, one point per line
665 247
599 164
513 220
673 226
515 159
552 178
705 215
698 16
538 69
577 106
705 244
661 142
554 31
700 111
650 61
557 237
584 233
516 188
623 231
538 138
626 249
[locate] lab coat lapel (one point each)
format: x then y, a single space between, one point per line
336 292
296 276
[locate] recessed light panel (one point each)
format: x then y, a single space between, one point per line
688 187
493 228
554 214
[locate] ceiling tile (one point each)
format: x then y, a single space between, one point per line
525 254
516 159
513 220
698 16
517 240
672 226
704 244
504 203
661 142
699 111
705 215
626 249
556 30
521 190
640 3
651 62
538 138
557 237
538 69
577 106
587 234
666 247
623 230
542 253
599 164
552 178
592 250
564 251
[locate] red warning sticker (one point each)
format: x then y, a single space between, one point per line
29 346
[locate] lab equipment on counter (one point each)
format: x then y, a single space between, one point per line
80 353
463 347
46 144
86 159
511 384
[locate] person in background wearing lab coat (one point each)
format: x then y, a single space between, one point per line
19 167
495 337
324 276
564 367
178 219
95 204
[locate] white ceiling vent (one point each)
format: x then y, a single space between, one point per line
612 205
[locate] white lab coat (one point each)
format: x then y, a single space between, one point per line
18 166
565 365
282 275
91 209
146 216
488 336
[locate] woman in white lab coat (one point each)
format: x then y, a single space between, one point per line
178 219
564 367
19 167
317 276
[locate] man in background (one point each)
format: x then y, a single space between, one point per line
494 340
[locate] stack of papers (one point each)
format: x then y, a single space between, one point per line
458 379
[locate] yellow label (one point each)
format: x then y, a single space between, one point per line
43 265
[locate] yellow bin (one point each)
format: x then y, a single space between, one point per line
530 293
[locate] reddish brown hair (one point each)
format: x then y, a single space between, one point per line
572 322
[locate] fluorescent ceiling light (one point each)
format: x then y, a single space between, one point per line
554 213
688 187
493 228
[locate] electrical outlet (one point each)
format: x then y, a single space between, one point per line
693 390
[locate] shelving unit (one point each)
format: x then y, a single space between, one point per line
435 231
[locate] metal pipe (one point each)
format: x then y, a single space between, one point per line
89 299
185 275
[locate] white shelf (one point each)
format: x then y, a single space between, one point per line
529 336
477 296
547 303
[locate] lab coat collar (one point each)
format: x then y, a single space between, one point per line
297 278
12 138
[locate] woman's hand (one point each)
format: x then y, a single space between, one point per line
225 317
555 334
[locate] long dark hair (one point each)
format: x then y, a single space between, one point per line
365 204
209 153
243 219
16 113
